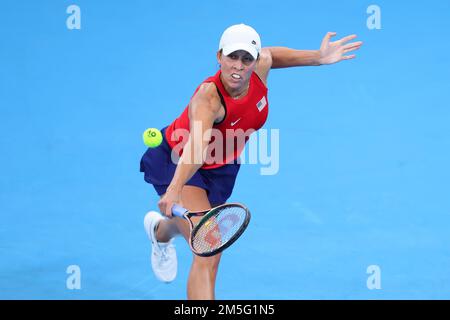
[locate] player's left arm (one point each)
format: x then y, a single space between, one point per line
329 53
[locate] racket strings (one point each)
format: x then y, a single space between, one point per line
219 229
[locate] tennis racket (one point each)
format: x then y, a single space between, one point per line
218 228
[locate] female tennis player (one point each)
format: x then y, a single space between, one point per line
235 99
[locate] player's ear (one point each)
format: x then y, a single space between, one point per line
219 57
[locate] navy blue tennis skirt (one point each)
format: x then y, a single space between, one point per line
158 168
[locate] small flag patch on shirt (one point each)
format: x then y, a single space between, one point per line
261 104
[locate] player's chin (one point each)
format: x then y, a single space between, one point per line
236 83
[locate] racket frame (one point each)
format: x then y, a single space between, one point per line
207 214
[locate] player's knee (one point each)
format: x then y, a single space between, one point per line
210 264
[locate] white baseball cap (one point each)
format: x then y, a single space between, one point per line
240 37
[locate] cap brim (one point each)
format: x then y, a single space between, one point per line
240 46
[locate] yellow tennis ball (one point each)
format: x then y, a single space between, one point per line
152 137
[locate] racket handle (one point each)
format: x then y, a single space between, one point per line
178 211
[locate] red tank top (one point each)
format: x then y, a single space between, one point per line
242 117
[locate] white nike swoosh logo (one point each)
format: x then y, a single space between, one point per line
233 123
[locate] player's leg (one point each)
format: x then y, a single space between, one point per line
202 277
169 228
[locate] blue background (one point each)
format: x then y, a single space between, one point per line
364 149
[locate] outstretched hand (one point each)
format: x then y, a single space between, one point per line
332 52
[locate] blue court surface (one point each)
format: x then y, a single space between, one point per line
358 207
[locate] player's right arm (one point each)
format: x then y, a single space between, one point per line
204 109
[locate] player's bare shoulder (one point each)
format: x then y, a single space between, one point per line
207 98
208 90
264 64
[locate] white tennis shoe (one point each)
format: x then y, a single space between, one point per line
164 255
